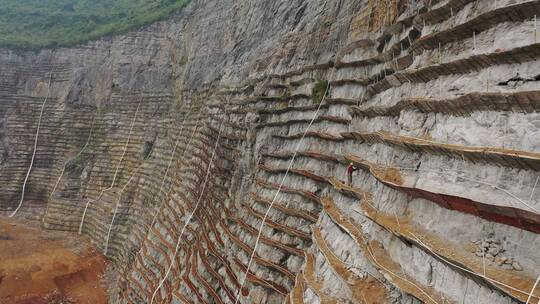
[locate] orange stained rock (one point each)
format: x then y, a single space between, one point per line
251 277
130 289
297 294
392 177
264 239
369 291
522 159
313 282
310 216
213 252
301 172
321 135
310 154
403 227
38 266
287 299
256 257
386 174
276 225
180 296
198 277
375 252
401 139
319 155
342 187
216 276
186 278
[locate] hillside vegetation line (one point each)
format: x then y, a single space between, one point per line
37 24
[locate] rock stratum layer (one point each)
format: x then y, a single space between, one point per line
166 147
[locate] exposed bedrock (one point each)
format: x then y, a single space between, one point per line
166 147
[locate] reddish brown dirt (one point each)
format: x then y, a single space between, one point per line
38 266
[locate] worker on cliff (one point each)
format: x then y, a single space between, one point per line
350 170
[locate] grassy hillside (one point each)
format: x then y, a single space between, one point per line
35 24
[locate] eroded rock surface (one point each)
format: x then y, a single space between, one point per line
167 145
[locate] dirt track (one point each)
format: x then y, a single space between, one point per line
39 266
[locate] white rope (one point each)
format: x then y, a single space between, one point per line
64 168
474 180
534 188
470 271
484 261
35 147
131 178
192 213
126 145
464 269
447 261
185 149
279 190
478 181
115 172
532 290
118 203
174 153
370 251
349 265
117 206
53 190
450 263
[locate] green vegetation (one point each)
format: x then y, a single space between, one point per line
35 24
319 90
283 105
148 148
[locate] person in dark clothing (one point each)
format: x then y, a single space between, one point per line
350 169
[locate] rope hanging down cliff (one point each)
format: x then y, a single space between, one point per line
65 165
105 251
149 230
445 260
35 147
166 174
193 212
156 213
323 99
115 172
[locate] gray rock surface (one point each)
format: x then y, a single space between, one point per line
167 145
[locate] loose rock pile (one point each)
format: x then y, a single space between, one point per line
492 250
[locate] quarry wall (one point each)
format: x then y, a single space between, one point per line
167 146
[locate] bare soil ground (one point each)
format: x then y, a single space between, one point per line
38 266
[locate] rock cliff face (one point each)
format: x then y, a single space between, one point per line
171 145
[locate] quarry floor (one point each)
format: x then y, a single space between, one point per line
38 266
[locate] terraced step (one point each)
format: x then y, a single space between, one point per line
516 286
377 255
505 157
367 290
523 102
400 180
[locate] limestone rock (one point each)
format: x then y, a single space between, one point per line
517 266
220 95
